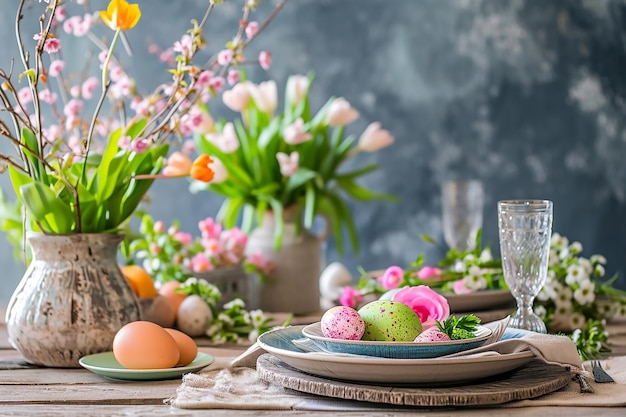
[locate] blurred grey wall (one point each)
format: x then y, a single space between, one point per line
526 95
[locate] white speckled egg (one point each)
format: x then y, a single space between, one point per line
194 316
390 321
342 322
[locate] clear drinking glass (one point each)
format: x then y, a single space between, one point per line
462 207
525 228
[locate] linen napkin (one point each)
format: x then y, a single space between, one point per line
552 349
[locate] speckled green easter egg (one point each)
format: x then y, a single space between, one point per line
389 321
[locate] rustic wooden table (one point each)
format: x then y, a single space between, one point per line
26 391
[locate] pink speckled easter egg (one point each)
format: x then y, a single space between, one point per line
342 322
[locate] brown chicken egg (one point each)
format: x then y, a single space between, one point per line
145 345
186 345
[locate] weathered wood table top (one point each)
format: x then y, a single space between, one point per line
26 391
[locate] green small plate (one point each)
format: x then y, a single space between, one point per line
105 364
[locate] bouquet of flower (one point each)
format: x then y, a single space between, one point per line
168 253
75 173
290 161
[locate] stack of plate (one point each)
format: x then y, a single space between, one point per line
417 374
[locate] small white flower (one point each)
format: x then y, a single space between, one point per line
257 317
190 281
213 329
599 271
236 302
226 319
485 256
469 259
564 299
577 321
576 274
576 248
564 253
246 318
598 259
475 281
585 294
621 312
584 262
576 335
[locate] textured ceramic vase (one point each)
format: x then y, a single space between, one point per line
71 301
293 284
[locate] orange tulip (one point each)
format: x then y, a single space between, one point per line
200 169
120 15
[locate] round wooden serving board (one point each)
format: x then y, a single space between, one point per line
530 381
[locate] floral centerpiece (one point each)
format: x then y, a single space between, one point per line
576 299
79 174
291 160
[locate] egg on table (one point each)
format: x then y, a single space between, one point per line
390 321
187 347
145 345
342 322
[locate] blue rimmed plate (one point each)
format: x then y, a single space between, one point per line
394 350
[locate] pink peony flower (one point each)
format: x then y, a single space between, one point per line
350 297
429 272
391 278
427 304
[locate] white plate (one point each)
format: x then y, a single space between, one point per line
394 350
105 364
479 300
435 371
